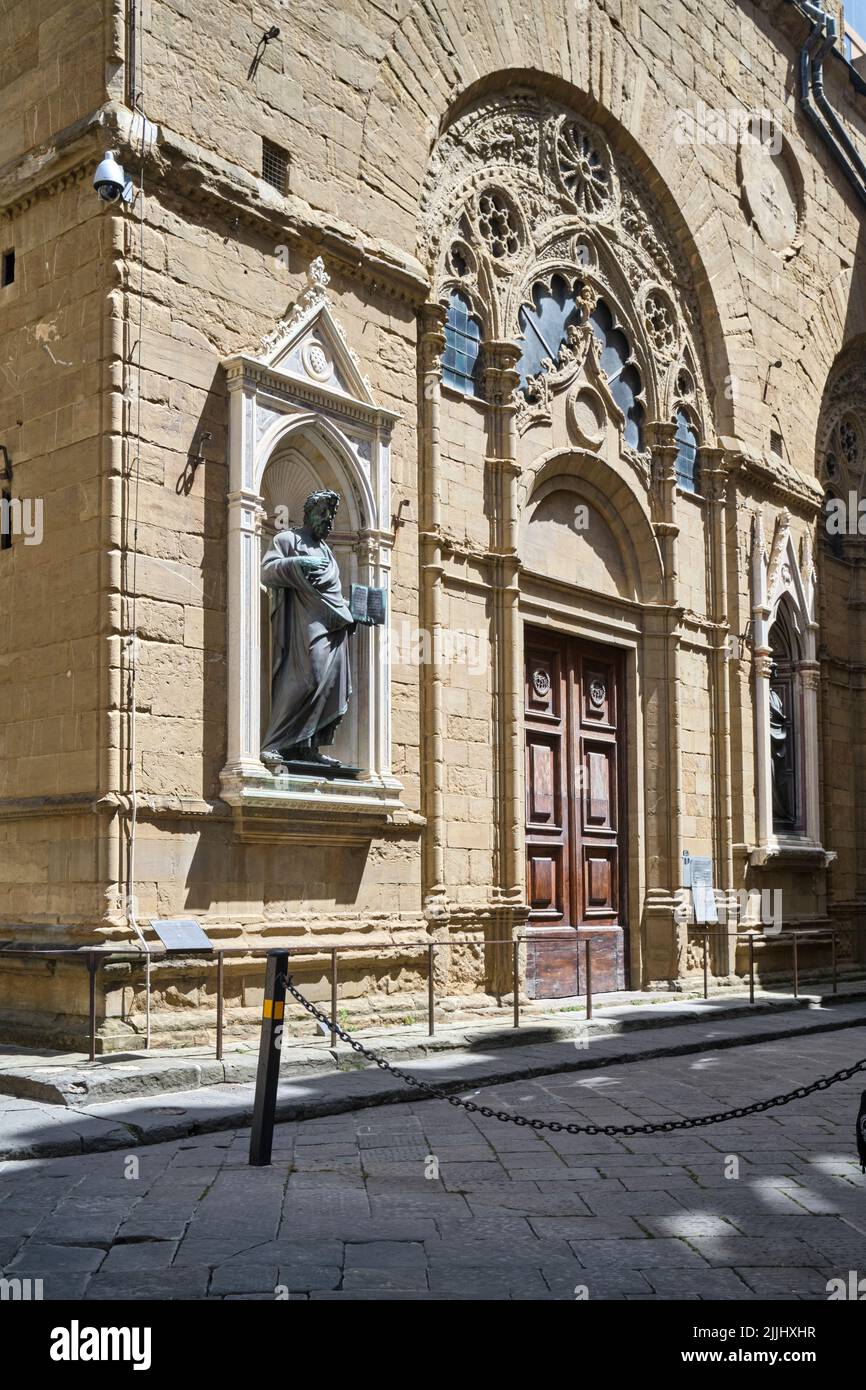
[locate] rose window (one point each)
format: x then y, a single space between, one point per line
583 170
849 442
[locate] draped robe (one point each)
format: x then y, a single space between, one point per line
310 624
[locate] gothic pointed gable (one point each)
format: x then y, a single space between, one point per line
310 343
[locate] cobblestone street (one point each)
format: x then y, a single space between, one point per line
423 1200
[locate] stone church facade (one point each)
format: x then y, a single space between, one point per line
567 303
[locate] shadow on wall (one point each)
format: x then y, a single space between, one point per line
567 539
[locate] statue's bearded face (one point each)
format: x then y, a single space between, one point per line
321 520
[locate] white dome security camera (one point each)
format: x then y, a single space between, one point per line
110 180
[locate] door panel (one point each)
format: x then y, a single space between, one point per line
599 787
574 814
544 780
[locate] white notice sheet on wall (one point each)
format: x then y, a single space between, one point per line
703 896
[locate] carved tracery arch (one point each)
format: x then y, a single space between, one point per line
520 189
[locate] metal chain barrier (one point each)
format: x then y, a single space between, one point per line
663 1127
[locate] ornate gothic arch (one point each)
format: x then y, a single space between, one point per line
520 189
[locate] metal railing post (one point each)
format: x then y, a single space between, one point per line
796 971
334 997
219 1004
270 1044
431 1020
706 963
588 944
515 981
92 965
835 978
751 969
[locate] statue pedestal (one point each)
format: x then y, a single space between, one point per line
297 768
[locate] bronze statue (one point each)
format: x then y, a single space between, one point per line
310 624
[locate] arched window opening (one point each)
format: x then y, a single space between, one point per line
785 727
687 452
460 363
545 325
623 377
832 533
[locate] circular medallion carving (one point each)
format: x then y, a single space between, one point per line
660 321
597 693
849 441
317 363
541 682
586 418
497 224
770 182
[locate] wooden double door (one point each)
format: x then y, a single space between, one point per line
575 814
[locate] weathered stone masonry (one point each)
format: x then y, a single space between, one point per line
489 151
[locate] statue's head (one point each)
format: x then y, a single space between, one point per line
320 509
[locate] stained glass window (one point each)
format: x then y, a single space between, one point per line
687 453
462 346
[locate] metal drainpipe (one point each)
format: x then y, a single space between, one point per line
812 82
833 120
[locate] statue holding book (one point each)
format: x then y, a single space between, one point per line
311 623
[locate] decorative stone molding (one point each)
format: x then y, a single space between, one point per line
780 574
778 479
520 188
299 399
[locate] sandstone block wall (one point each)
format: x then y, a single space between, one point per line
359 95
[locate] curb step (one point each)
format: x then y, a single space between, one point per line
58 1130
84 1083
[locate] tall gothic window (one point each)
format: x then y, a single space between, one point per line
687 452
785 727
545 325
623 377
462 346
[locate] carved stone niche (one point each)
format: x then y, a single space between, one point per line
301 417
782 578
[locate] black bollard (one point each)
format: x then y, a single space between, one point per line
861 1133
270 1043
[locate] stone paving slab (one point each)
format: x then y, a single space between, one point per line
31 1129
189 1219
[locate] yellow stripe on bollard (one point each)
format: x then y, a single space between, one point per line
270 1011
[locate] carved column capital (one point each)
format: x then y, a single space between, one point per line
763 665
499 361
714 473
432 336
